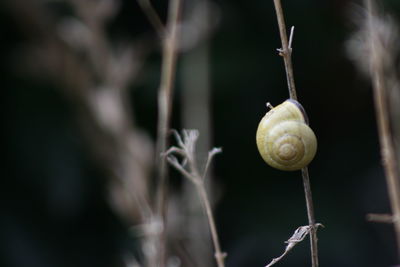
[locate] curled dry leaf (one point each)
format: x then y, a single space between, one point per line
296 238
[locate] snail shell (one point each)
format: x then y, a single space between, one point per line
284 139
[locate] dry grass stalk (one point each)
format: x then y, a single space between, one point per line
286 50
165 94
188 168
286 53
107 104
374 49
152 16
380 218
377 57
97 86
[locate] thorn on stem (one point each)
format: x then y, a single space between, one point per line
281 51
221 255
291 38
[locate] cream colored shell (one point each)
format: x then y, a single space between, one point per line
284 139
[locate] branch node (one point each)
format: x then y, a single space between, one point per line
281 51
221 255
381 218
186 149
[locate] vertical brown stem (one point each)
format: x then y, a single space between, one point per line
164 113
311 218
219 255
286 53
389 157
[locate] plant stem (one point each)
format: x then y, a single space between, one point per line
186 149
389 157
168 69
219 255
311 217
152 16
286 53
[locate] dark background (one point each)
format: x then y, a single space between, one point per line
54 209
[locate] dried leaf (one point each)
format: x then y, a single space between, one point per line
296 238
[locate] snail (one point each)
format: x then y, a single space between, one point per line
284 139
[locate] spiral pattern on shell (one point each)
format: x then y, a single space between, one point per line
284 139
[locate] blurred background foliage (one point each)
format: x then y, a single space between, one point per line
55 210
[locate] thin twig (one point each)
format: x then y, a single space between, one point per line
291 38
219 255
211 154
389 159
380 218
165 93
152 16
193 175
286 53
311 217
